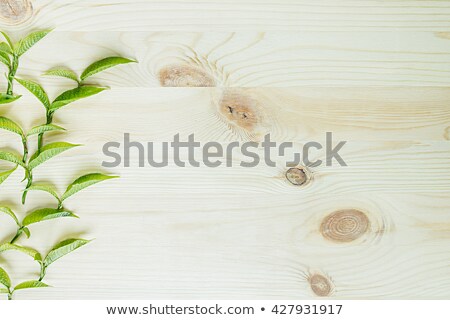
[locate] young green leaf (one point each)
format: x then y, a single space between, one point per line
26 231
49 189
7 39
11 157
104 64
10 213
5 174
73 95
4 58
4 47
63 248
84 182
4 290
28 251
36 90
4 278
8 124
46 214
44 128
6 98
69 74
29 41
30 285
49 151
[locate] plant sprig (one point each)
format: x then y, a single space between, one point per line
9 55
29 164
80 92
57 252
5 281
44 214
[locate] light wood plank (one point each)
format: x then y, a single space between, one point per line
324 15
246 246
250 59
396 138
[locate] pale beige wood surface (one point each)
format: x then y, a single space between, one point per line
205 15
307 68
254 59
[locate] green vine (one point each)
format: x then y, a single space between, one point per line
9 55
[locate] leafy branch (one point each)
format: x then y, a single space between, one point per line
8 289
47 152
58 251
44 214
9 55
75 187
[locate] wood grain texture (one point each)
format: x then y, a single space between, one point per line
244 246
248 233
259 15
252 59
375 73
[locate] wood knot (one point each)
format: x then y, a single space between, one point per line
443 35
239 109
15 11
297 176
344 225
185 76
447 133
320 285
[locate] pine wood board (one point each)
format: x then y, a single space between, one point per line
246 232
202 15
250 59
375 73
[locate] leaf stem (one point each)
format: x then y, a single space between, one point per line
10 295
41 135
25 149
42 274
12 74
29 183
17 236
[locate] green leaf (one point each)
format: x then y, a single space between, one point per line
4 47
10 213
7 39
69 74
11 157
29 41
6 98
30 285
63 248
4 58
3 290
103 64
36 90
84 182
49 189
5 174
4 278
46 214
44 128
49 151
8 124
26 231
28 251
73 95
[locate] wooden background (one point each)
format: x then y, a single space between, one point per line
375 73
